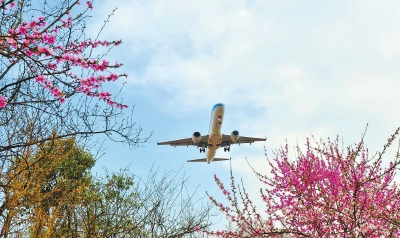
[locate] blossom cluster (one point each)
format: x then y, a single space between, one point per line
324 192
48 58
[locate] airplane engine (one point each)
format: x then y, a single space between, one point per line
196 137
234 136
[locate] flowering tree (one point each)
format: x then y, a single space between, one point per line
44 49
325 192
51 79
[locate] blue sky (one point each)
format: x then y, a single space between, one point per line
283 69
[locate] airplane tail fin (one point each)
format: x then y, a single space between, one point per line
205 160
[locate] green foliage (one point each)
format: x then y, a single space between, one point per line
50 192
70 168
108 209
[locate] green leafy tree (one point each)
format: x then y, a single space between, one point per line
50 192
42 186
123 205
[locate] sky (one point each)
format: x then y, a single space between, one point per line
285 70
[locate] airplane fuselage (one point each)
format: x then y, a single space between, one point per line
215 136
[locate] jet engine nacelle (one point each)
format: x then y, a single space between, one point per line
196 137
234 136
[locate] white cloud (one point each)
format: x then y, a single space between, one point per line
291 72
389 44
223 51
288 69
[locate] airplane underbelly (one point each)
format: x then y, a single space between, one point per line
215 136
214 141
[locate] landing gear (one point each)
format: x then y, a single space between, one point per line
203 150
228 148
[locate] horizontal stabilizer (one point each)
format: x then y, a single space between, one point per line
198 160
219 159
205 160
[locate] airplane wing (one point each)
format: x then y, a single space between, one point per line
226 140
185 142
205 160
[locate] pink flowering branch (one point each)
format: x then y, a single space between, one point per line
324 192
38 46
3 101
52 79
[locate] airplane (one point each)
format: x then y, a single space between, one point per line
214 140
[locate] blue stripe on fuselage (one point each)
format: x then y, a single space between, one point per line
212 112
216 106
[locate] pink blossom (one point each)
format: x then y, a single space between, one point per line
56 92
32 24
40 78
29 53
104 94
23 30
51 39
46 51
89 4
52 66
113 77
11 41
105 62
3 101
67 56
